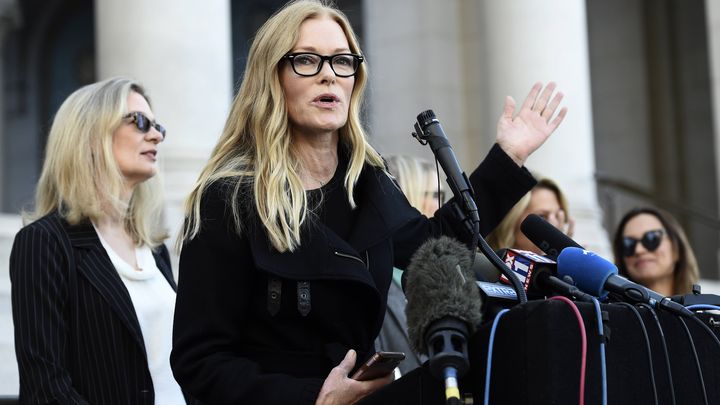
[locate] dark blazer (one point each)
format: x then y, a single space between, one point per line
255 326
107 363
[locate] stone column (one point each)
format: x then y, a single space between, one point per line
9 19
181 51
414 50
461 58
530 41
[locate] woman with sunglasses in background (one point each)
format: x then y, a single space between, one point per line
92 289
294 225
651 249
547 200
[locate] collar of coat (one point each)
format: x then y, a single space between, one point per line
381 209
93 263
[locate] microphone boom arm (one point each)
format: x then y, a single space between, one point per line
429 131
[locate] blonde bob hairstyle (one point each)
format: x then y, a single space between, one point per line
503 236
80 177
415 176
255 152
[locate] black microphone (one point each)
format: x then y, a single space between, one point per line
546 236
428 130
443 307
484 269
538 275
597 276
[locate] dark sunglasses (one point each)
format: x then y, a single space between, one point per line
650 240
143 123
435 195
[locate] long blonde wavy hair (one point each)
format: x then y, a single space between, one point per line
80 177
255 149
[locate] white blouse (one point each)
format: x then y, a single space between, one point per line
154 301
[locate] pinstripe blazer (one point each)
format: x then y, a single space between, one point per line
108 364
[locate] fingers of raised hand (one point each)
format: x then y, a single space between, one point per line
560 117
549 109
509 108
542 101
532 96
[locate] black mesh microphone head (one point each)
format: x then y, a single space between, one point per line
439 284
425 118
545 236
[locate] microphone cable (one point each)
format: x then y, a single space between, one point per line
440 202
583 343
601 333
703 306
701 323
663 342
491 343
647 346
697 360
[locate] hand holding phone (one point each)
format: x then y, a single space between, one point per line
379 365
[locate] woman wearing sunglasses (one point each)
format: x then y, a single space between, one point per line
547 200
92 288
651 249
294 225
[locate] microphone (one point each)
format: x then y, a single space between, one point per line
429 131
484 269
524 265
537 274
443 308
545 236
597 276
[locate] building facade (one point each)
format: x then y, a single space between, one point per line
640 79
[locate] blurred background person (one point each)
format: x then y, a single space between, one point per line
546 200
92 289
651 249
418 180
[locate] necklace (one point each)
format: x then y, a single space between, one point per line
322 183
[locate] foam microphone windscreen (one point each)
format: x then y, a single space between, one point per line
589 271
440 284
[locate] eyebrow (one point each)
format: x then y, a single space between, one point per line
313 49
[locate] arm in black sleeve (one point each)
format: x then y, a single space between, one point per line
498 183
39 295
212 307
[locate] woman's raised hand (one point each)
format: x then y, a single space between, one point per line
521 135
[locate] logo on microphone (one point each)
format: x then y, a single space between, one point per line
523 263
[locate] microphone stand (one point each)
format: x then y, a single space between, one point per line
463 193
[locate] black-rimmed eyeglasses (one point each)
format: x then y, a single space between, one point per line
143 123
310 64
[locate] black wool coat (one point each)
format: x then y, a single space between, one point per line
255 326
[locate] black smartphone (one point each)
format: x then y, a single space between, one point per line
379 365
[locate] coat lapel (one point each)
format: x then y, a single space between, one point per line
94 264
382 208
162 260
